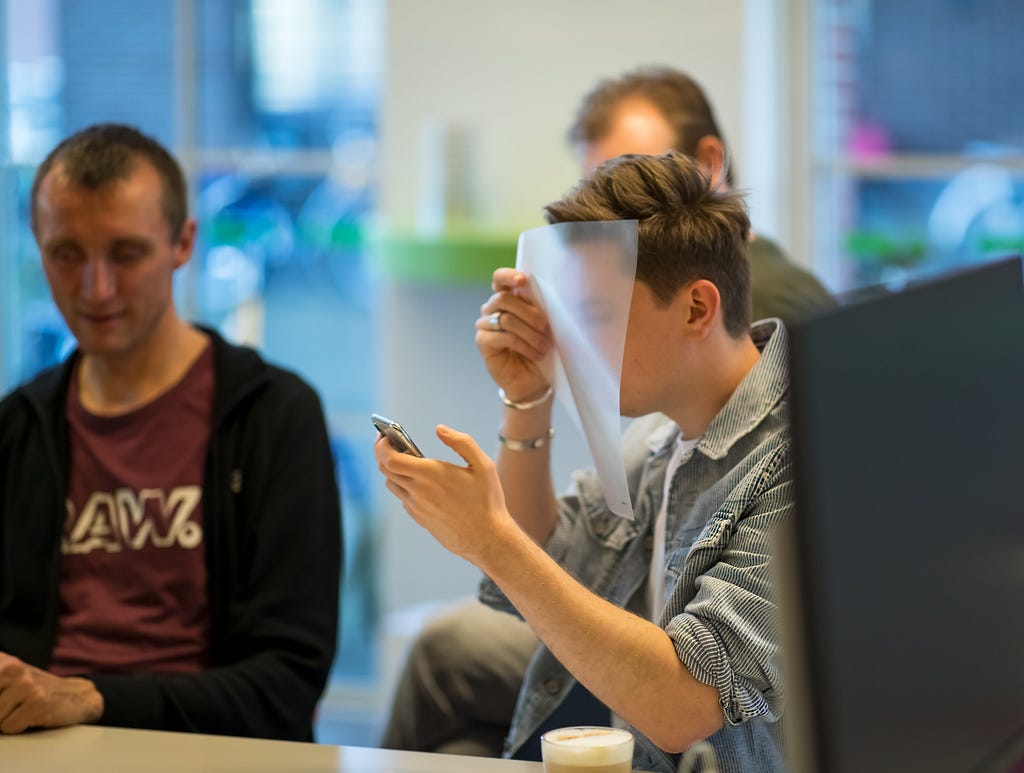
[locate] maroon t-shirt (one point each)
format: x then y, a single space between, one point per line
133 594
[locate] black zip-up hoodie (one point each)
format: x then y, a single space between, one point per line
272 526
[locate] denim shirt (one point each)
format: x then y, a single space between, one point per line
725 502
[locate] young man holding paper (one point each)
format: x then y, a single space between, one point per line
668 617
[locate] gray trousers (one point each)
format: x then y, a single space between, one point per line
459 686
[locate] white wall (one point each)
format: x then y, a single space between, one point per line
513 74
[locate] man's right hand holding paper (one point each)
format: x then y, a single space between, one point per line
515 339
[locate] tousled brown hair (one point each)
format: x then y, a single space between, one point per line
687 229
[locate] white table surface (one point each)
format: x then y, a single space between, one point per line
90 749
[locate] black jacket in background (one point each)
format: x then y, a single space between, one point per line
780 288
272 526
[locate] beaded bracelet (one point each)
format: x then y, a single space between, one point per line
526 404
526 445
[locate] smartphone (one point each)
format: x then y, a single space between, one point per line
397 436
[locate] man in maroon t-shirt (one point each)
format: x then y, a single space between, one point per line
135 514
200 543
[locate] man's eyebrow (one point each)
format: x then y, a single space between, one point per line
596 303
133 241
54 244
126 241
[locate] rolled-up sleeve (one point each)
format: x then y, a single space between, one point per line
727 632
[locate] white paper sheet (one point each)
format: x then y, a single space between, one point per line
582 274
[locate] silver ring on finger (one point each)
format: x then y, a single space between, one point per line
494 321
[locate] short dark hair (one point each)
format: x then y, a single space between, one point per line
676 96
102 153
687 229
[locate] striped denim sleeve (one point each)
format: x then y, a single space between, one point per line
727 634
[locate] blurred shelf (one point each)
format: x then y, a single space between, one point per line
919 166
457 258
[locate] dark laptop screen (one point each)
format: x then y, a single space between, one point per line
909 536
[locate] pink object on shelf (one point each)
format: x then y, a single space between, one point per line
868 140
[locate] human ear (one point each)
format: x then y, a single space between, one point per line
710 155
185 242
705 303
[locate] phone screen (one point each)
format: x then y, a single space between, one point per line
397 436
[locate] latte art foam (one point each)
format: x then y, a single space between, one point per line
587 748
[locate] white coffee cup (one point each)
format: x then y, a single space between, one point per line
587 750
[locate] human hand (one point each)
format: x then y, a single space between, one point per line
463 507
513 337
31 697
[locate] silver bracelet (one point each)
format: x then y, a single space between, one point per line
526 404
526 445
